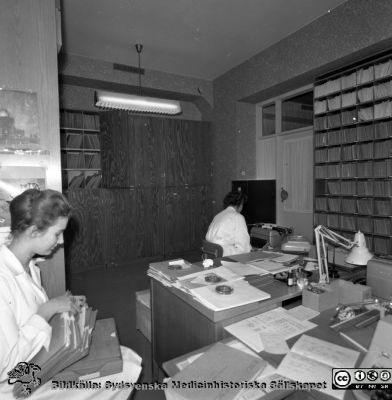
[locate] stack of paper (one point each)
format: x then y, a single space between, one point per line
272 266
69 343
228 295
167 272
219 275
242 269
278 322
210 375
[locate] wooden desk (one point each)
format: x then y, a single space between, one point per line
322 331
180 324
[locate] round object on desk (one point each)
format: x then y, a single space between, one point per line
174 266
212 278
224 289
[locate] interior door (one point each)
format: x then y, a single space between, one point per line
294 189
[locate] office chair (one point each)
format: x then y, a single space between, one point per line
211 250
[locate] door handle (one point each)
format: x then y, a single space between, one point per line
283 195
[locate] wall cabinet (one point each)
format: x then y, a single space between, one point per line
353 152
148 151
111 227
156 198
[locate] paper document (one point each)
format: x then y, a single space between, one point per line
255 255
207 277
270 266
274 322
311 360
286 258
267 377
242 269
303 313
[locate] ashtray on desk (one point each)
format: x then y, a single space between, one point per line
174 266
224 289
212 278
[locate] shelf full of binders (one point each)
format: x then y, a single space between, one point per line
82 179
360 83
79 120
347 225
80 149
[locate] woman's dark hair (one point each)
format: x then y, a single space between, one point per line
36 207
235 199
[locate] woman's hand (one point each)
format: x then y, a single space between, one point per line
58 305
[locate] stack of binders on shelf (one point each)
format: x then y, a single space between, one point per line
71 336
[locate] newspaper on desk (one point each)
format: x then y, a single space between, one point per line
274 323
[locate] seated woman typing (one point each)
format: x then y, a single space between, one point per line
228 228
38 219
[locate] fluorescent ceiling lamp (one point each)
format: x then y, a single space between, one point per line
135 103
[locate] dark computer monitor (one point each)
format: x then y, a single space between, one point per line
261 204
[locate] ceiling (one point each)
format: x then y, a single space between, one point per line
196 38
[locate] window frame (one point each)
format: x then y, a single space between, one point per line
278 112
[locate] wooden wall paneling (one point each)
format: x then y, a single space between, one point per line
84 236
188 153
177 219
149 136
149 226
120 235
118 149
202 147
200 214
178 151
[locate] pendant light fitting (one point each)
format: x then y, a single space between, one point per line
136 103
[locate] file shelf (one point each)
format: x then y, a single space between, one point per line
80 149
353 152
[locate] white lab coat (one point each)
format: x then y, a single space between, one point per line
23 333
228 228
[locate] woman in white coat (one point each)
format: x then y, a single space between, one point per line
38 219
228 228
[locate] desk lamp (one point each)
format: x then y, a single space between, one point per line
359 254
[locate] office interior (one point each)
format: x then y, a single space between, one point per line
152 204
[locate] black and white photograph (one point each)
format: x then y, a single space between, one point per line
196 199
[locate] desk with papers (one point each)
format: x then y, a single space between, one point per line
328 346
180 323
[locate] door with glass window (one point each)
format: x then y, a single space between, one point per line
285 153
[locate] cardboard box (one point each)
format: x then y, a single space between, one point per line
322 301
350 292
143 313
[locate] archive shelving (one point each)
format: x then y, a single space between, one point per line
80 149
353 152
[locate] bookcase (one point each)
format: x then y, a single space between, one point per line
80 149
353 152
